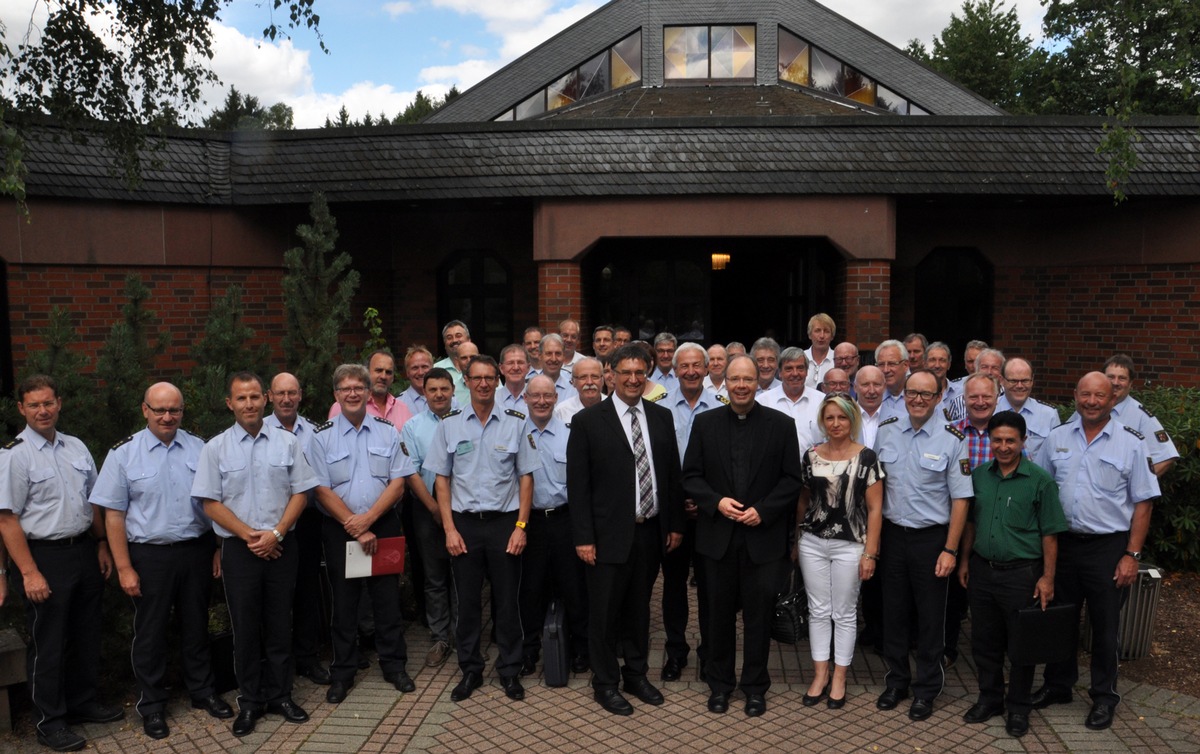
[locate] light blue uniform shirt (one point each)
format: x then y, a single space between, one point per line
685 414
253 476
415 401
1099 483
667 380
358 464
550 481
484 461
1133 414
893 405
46 484
1039 420
562 385
926 469
507 400
152 484
303 429
414 442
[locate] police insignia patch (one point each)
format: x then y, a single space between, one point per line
964 466
403 448
1161 436
532 444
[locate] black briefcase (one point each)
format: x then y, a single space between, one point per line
556 669
1044 635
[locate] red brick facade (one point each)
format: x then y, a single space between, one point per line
560 296
864 304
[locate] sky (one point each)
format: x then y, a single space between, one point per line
381 52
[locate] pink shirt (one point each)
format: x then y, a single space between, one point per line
395 411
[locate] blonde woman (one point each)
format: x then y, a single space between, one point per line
841 513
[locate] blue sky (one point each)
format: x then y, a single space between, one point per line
383 51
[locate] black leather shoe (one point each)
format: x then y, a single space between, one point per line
291 711
246 719
832 703
401 680
890 698
718 701
315 672
612 701
470 681
528 666
155 725
95 712
981 712
756 705
813 701
1100 717
336 694
513 688
363 662
672 669
644 690
213 705
921 709
63 739
1045 696
1017 724
580 664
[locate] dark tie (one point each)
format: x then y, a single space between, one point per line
645 483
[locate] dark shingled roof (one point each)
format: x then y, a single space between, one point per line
898 156
613 22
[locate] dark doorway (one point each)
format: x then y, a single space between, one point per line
475 287
954 291
769 286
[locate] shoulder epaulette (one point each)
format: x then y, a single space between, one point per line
119 443
1051 405
722 399
381 419
658 397
514 412
1148 411
13 443
1134 432
889 420
322 427
955 431
453 412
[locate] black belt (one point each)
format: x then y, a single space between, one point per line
485 515
1009 565
180 543
549 512
63 542
1083 537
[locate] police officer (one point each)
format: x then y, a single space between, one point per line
924 509
1009 553
164 550
1104 481
360 472
51 533
484 464
1040 418
253 480
549 564
1128 411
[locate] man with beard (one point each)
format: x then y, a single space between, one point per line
588 381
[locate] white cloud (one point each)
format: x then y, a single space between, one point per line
466 74
898 21
398 8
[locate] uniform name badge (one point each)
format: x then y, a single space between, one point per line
464 447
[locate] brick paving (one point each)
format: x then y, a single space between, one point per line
377 718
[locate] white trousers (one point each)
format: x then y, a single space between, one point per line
830 568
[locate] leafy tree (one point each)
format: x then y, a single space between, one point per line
126 361
375 340
317 289
245 113
983 50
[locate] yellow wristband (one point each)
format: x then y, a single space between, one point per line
521 525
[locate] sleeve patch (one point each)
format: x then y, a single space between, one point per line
514 412
404 449
1134 432
955 431
964 466
1161 436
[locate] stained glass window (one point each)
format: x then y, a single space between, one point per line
627 61
889 100
535 105
793 58
826 72
732 52
564 92
708 52
594 76
857 86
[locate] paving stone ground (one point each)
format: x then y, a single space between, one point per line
377 718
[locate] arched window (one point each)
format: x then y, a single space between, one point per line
475 286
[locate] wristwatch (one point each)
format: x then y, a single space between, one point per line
278 536
1135 555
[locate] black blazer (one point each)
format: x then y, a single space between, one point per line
602 478
775 481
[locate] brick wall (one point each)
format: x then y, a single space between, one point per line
866 290
1068 320
560 296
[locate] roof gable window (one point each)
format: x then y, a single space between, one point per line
804 64
614 68
708 53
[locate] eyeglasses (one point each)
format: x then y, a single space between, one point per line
924 395
164 411
1025 382
638 373
482 379
351 390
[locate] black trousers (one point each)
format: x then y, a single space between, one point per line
550 569
259 595
956 613
64 647
308 625
732 581
619 609
486 540
675 568
384 593
175 576
1085 574
908 559
995 597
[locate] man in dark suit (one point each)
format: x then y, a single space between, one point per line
742 469
626 511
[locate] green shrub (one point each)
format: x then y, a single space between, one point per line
1173 542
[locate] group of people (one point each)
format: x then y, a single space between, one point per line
555 475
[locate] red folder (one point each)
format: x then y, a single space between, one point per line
388 558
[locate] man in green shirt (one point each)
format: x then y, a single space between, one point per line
1009 551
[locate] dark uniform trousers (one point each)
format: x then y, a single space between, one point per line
552 569
675 568
907 560
259 595
1086 564
179 576
996 594
737 580
486 538
619 597
384 592
307 620
64 651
